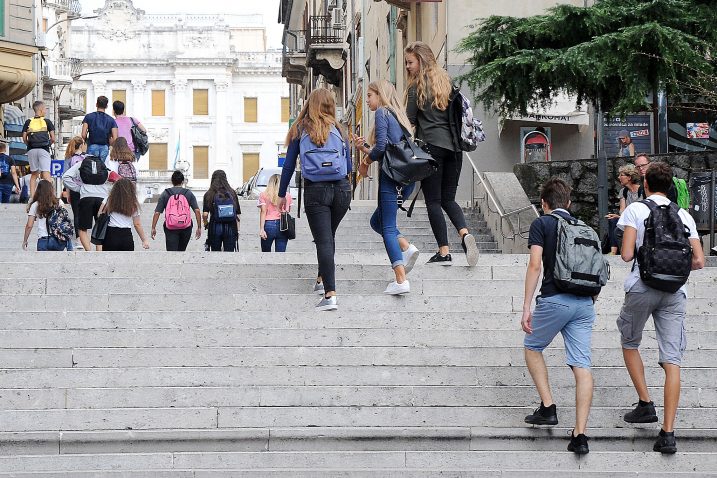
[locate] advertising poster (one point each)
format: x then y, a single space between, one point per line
626 136
698 130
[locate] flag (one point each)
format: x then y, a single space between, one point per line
176 153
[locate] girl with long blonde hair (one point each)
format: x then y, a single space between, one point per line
270 216
317 137
390 123
428 94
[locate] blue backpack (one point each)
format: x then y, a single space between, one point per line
4 165
224 209
323 163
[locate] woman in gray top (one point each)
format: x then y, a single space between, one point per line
427 98
630 192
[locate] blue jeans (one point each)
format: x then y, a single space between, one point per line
383 220
5 192
326 204
273 234
99 150
572 316
49 243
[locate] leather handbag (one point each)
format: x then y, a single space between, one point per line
287 225
99 231
405 162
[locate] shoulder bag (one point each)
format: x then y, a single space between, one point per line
405 162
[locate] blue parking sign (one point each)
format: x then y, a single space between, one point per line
57 167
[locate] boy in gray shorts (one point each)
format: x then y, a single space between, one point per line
667 309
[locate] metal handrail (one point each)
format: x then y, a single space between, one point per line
502 215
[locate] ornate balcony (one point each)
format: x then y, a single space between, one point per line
73 8
326 45
293 66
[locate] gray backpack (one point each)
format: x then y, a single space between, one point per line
580 268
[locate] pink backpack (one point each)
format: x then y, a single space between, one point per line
177 214
127 170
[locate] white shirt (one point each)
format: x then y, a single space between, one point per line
120 220
40 221
634 216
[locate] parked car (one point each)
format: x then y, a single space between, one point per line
243 190
259 181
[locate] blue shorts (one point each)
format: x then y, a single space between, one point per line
571 315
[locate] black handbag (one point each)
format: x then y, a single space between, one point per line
99 231
405 162
287 225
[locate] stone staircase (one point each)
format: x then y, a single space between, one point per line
156 364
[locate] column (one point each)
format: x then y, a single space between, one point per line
222 154
100 89
179 127
139 102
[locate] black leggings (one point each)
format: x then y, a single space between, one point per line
118 239
75 204
439 191
177 239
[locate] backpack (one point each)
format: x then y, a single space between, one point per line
139 138
93 170
127 170
59 224
665 257
224 209
38 135
326 162
177 214
580 268
76 158
683 193
4 165
467 130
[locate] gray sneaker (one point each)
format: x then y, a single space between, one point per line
328 303
319 288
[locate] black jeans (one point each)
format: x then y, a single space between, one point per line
326 204
75 204
177 239
439 191
222 237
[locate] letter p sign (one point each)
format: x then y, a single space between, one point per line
57 167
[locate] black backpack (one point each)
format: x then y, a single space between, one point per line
93 171
665 257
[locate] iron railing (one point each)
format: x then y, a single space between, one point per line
323 31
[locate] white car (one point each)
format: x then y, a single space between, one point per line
258 183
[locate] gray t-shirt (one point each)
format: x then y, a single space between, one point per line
432 124
164 198
629 196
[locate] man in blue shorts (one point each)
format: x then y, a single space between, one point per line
556 312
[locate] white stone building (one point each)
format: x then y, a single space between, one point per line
209 92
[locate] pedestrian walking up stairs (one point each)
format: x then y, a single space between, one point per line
156 364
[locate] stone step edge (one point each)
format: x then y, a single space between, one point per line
377 436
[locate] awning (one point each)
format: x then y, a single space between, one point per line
562 111
13 115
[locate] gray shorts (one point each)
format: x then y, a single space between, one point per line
39 160
668 311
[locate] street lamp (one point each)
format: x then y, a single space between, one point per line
69 19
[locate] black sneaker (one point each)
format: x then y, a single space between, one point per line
437 258
578 444
666 443
543 415
642 413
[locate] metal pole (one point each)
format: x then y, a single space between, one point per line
602 173
712 210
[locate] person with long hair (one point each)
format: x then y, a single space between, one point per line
317 137
74 154
428 94
121 160
177 239
123 210
43 203
221 214
390 122
270 216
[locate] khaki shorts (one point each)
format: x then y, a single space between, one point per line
39 160
668 310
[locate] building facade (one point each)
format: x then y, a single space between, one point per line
206 87
346 44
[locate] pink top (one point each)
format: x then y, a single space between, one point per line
124 125
272 212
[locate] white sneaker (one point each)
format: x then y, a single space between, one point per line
410 256
394 288
330 303
319 288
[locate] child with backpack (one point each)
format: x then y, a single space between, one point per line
54 228
177 204
122 207
73 155
221 214
568 254
429 94
390 124
8 174
121 160
662 242
270 216
91 178
317 138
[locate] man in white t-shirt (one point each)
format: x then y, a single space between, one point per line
668 310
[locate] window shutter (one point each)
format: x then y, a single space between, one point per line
119 95
251 165
201 102
158 157
285 110
201 162
250 115
158 98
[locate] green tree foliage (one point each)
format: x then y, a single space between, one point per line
615 53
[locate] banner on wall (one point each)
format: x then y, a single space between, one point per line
626 136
